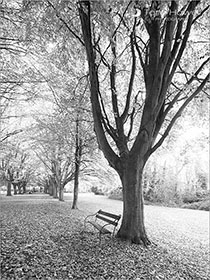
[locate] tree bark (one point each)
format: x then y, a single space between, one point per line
61 193
78 155
19 189
15 189
50 189
46 188
76 192
9 188
76 186
55 190
23 186
132 227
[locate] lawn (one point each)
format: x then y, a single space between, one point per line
40 239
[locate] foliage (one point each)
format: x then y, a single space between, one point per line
97 191
201 205
181 165
199 200
189 197
15 168
116 194
194 205
157 195
205 205
18 74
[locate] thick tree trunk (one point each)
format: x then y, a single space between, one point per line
132 227
9 188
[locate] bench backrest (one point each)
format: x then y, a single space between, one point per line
108 217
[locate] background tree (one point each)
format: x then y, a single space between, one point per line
14 169
52 145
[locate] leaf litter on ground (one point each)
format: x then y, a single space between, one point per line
41 239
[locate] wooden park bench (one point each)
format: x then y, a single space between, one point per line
104 222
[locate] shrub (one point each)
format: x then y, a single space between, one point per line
199 195
205 205
201 205
97 191
203 194
194 205
116 194
190 198
149 193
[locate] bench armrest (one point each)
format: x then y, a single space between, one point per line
88 216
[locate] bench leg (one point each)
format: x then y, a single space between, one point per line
84 227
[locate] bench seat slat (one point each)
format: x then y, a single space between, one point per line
113 216
106 220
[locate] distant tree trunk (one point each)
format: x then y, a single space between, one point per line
46 188
50 190
15 188
61 193
78 155
76 192
9 188
19 188
50 184
55 190
24 187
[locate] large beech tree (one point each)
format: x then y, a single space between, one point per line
149 43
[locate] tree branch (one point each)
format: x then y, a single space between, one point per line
10 134
177 115
64 22
132 76
84 12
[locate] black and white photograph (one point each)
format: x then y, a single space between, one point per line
104 139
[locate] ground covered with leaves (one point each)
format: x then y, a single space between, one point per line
41 239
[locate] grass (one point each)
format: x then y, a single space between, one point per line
40 239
